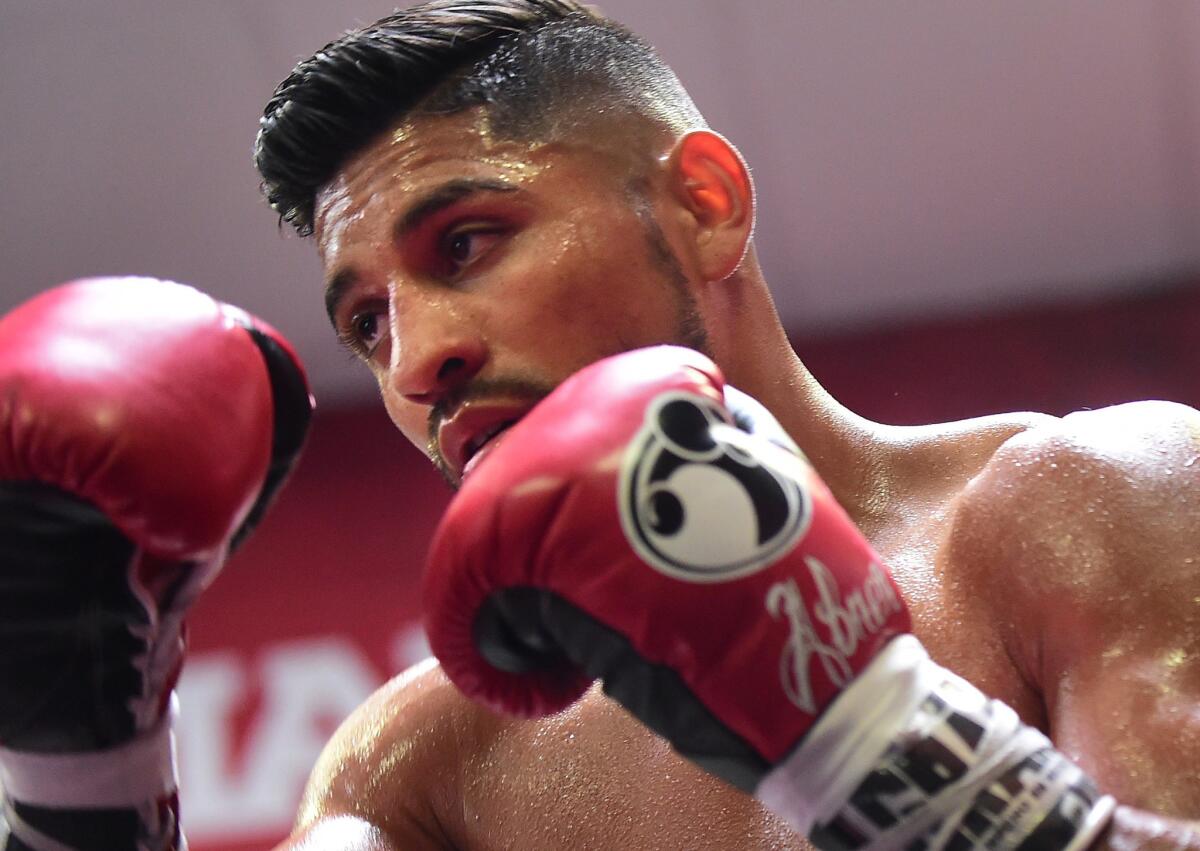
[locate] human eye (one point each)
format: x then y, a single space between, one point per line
461 247
364 331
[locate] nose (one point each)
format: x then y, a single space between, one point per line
435 357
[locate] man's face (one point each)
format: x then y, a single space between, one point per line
474 274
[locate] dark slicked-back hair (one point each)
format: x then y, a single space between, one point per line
531 64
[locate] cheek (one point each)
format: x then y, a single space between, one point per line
583 285
588 320
594 274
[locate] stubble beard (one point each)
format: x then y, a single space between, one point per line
689 323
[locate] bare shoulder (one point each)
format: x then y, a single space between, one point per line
1075 509
1153 439
394 763
1083 536
1140 435
1139 456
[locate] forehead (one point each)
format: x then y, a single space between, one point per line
410 155
419 154
422 152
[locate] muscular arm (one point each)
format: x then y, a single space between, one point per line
387 780
419 767
1085 536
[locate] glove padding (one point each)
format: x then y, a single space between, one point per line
147 427
629 529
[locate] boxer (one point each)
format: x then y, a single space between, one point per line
147 429
503 192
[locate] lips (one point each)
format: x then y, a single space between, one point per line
474 429
484 448
479 441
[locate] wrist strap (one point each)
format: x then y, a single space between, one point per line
912 756
812 783
129 775
156 829
14 827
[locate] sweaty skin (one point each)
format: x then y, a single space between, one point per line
1051 562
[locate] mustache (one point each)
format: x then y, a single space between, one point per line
521 389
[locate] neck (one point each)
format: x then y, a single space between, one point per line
848 451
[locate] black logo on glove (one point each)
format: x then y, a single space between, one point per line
702 500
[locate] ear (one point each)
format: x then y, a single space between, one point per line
712 182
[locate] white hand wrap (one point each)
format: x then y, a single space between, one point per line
912 756
127 776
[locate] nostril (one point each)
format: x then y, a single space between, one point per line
449 367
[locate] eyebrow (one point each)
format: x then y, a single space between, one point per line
431 203
443 196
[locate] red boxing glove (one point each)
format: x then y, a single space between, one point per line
649 526
147 428
628 529
151 401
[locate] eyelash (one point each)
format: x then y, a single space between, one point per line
444 245
351 340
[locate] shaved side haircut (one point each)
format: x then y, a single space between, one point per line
536 67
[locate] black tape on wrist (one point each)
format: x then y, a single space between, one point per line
956 780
